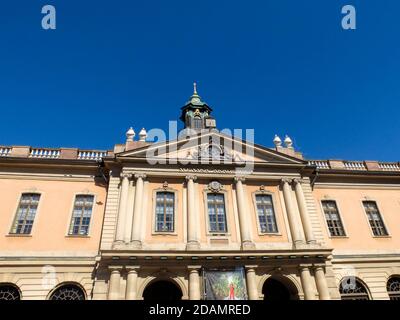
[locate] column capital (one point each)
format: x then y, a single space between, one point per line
191 177
251 267
239 179
296 181
285 181
140 176
115 268
130 269
126 175
194 268
305 266
319 266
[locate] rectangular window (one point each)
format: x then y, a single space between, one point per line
333 219
81 215
266 213
216 212
165 207
26 213
375 218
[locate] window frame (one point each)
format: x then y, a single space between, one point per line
197 117
274 202
207 220
14 217
68 234
340 217
368 199
154 231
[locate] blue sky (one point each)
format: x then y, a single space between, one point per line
284 67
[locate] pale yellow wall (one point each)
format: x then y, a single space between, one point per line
51 225
358 231
273 190
153 237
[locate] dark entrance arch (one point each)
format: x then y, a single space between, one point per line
276 290
162 290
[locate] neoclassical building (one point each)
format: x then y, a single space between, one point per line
206 215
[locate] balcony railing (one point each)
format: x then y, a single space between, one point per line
354 165
386 166
320 164
5 151
45 153
91 155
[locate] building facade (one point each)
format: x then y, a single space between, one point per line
160 221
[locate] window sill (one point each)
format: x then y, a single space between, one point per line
382 237
16 235
155 233
76 236
215 235
264 234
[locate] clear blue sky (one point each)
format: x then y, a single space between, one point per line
275 66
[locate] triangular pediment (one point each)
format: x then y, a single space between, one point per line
211 147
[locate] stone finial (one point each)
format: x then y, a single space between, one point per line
142 135
288 142
130 134
277 141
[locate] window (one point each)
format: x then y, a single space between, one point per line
81 215
216 212
374 218
352 289
68 292
197 123
393 288
333 220
25 213
165 205
9 292
266 213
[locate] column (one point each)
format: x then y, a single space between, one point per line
322 285
251 283
307 283
114 283
131 283
192 240
243 215
194 283
291 213
305 219
129 212
122 211
137 211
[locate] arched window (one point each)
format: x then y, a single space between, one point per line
352 289
165 207
393 288
197 122
26 213
68 292
9 292
216 212
266 213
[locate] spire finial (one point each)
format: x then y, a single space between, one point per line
195 88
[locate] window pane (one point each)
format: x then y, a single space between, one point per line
266 213
26 213
81 215
375 218
216 212
165 206
332 217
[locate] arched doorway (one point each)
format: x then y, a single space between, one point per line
277 289
162 290
9 292
393 288
68 292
